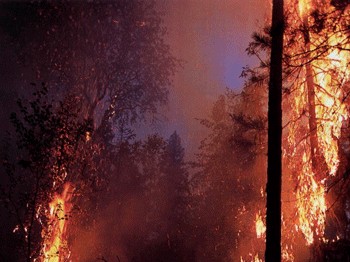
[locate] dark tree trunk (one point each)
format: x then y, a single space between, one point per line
274 155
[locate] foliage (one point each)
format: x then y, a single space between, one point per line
110 62
147 180
47 135
113 54
227 183
315 70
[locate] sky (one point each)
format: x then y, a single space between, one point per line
210 36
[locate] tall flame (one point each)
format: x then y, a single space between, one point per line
55 242
316 112
310 203
328 76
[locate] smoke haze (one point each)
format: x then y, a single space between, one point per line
210 37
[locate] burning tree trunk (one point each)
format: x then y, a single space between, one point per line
274 164
318 161
313 142
316 75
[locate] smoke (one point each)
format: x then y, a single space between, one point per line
112 231
210 37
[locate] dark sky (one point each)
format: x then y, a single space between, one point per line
211 36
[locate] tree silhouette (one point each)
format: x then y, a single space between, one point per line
274 154
229 175
47 136
111 54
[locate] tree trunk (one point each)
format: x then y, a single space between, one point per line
318 161
319 165
274 154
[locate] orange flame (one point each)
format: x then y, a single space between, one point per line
311 203
55 244
320 51
329 74
304 7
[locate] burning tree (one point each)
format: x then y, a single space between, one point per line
111 57
315 92
322 66
47 136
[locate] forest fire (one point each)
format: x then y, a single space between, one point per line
310 203
315 117
321 92
142 194
55 242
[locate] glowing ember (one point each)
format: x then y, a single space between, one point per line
88 136
55 244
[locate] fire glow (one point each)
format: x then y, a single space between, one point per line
314 119
55 236
327 77
260 227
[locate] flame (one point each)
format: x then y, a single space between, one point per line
329 75
304 7
260 227
311 203
287 253
252 258
314 113
55 243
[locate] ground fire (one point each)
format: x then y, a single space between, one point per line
55 247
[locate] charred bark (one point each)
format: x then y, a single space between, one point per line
274 162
